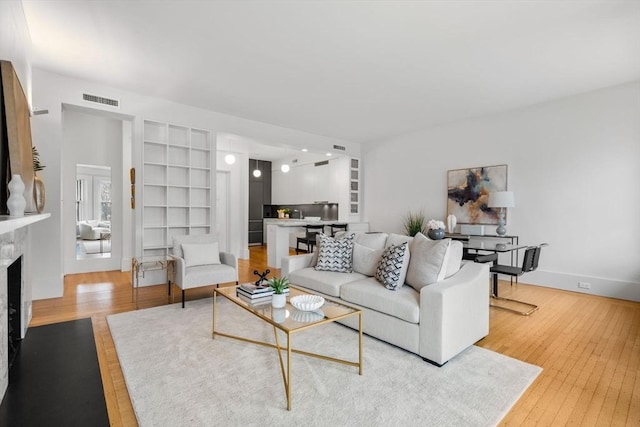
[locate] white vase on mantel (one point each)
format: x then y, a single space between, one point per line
16 203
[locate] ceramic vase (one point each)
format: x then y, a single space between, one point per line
278 300
436 234
451 223
16 203
38 193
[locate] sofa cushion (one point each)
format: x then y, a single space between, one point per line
428 261
335 254
200 254
398 239
392 268
176 249
365 259
403 304
326 282
212 274
370 240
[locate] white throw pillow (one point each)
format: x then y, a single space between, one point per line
428 261
453 259
398 239
365 260
200 254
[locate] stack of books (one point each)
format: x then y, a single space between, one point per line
253 294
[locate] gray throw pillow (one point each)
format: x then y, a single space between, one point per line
392 268
335 254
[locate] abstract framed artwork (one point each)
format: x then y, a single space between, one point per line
468 193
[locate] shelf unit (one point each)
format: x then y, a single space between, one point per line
176 190
354 186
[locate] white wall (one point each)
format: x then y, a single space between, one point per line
15 42
574 166
239 198
51 91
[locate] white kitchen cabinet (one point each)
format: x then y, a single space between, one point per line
309 183
176 184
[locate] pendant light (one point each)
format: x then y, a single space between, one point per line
256 171
229 159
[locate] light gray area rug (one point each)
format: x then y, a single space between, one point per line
178 376
93 246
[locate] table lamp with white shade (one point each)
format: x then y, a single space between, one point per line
501 200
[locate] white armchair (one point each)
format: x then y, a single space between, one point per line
198 262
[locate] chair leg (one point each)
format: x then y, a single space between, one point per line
183 298
494 295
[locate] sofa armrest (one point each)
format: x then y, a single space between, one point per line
454 313
179 270
229 259
296 262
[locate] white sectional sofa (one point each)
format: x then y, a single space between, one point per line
437 321
91 229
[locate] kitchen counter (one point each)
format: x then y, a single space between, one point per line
282 233
294 222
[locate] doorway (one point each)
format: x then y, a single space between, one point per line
93 184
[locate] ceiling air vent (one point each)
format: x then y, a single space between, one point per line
339 147
101 100
325 162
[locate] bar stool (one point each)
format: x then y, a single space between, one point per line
337 227
309 239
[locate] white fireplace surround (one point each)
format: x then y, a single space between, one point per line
14 241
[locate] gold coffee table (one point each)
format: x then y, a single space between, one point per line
331 310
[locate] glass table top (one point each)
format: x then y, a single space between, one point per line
290 318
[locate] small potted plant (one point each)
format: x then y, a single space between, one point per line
414 223
279 285
436 229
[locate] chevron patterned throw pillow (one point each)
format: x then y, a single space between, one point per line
392 268
335 254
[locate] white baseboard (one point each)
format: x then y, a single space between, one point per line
598 286
46 288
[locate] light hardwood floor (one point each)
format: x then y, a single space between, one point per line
588 346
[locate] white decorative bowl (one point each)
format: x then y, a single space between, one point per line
312 218
307 316
307 302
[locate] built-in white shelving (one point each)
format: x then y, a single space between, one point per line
354 186
176 188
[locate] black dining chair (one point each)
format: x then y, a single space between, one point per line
309 239
529 263
337 227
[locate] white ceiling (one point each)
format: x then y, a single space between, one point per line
354 70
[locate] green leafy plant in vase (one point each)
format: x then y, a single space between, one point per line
414 223
279 285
